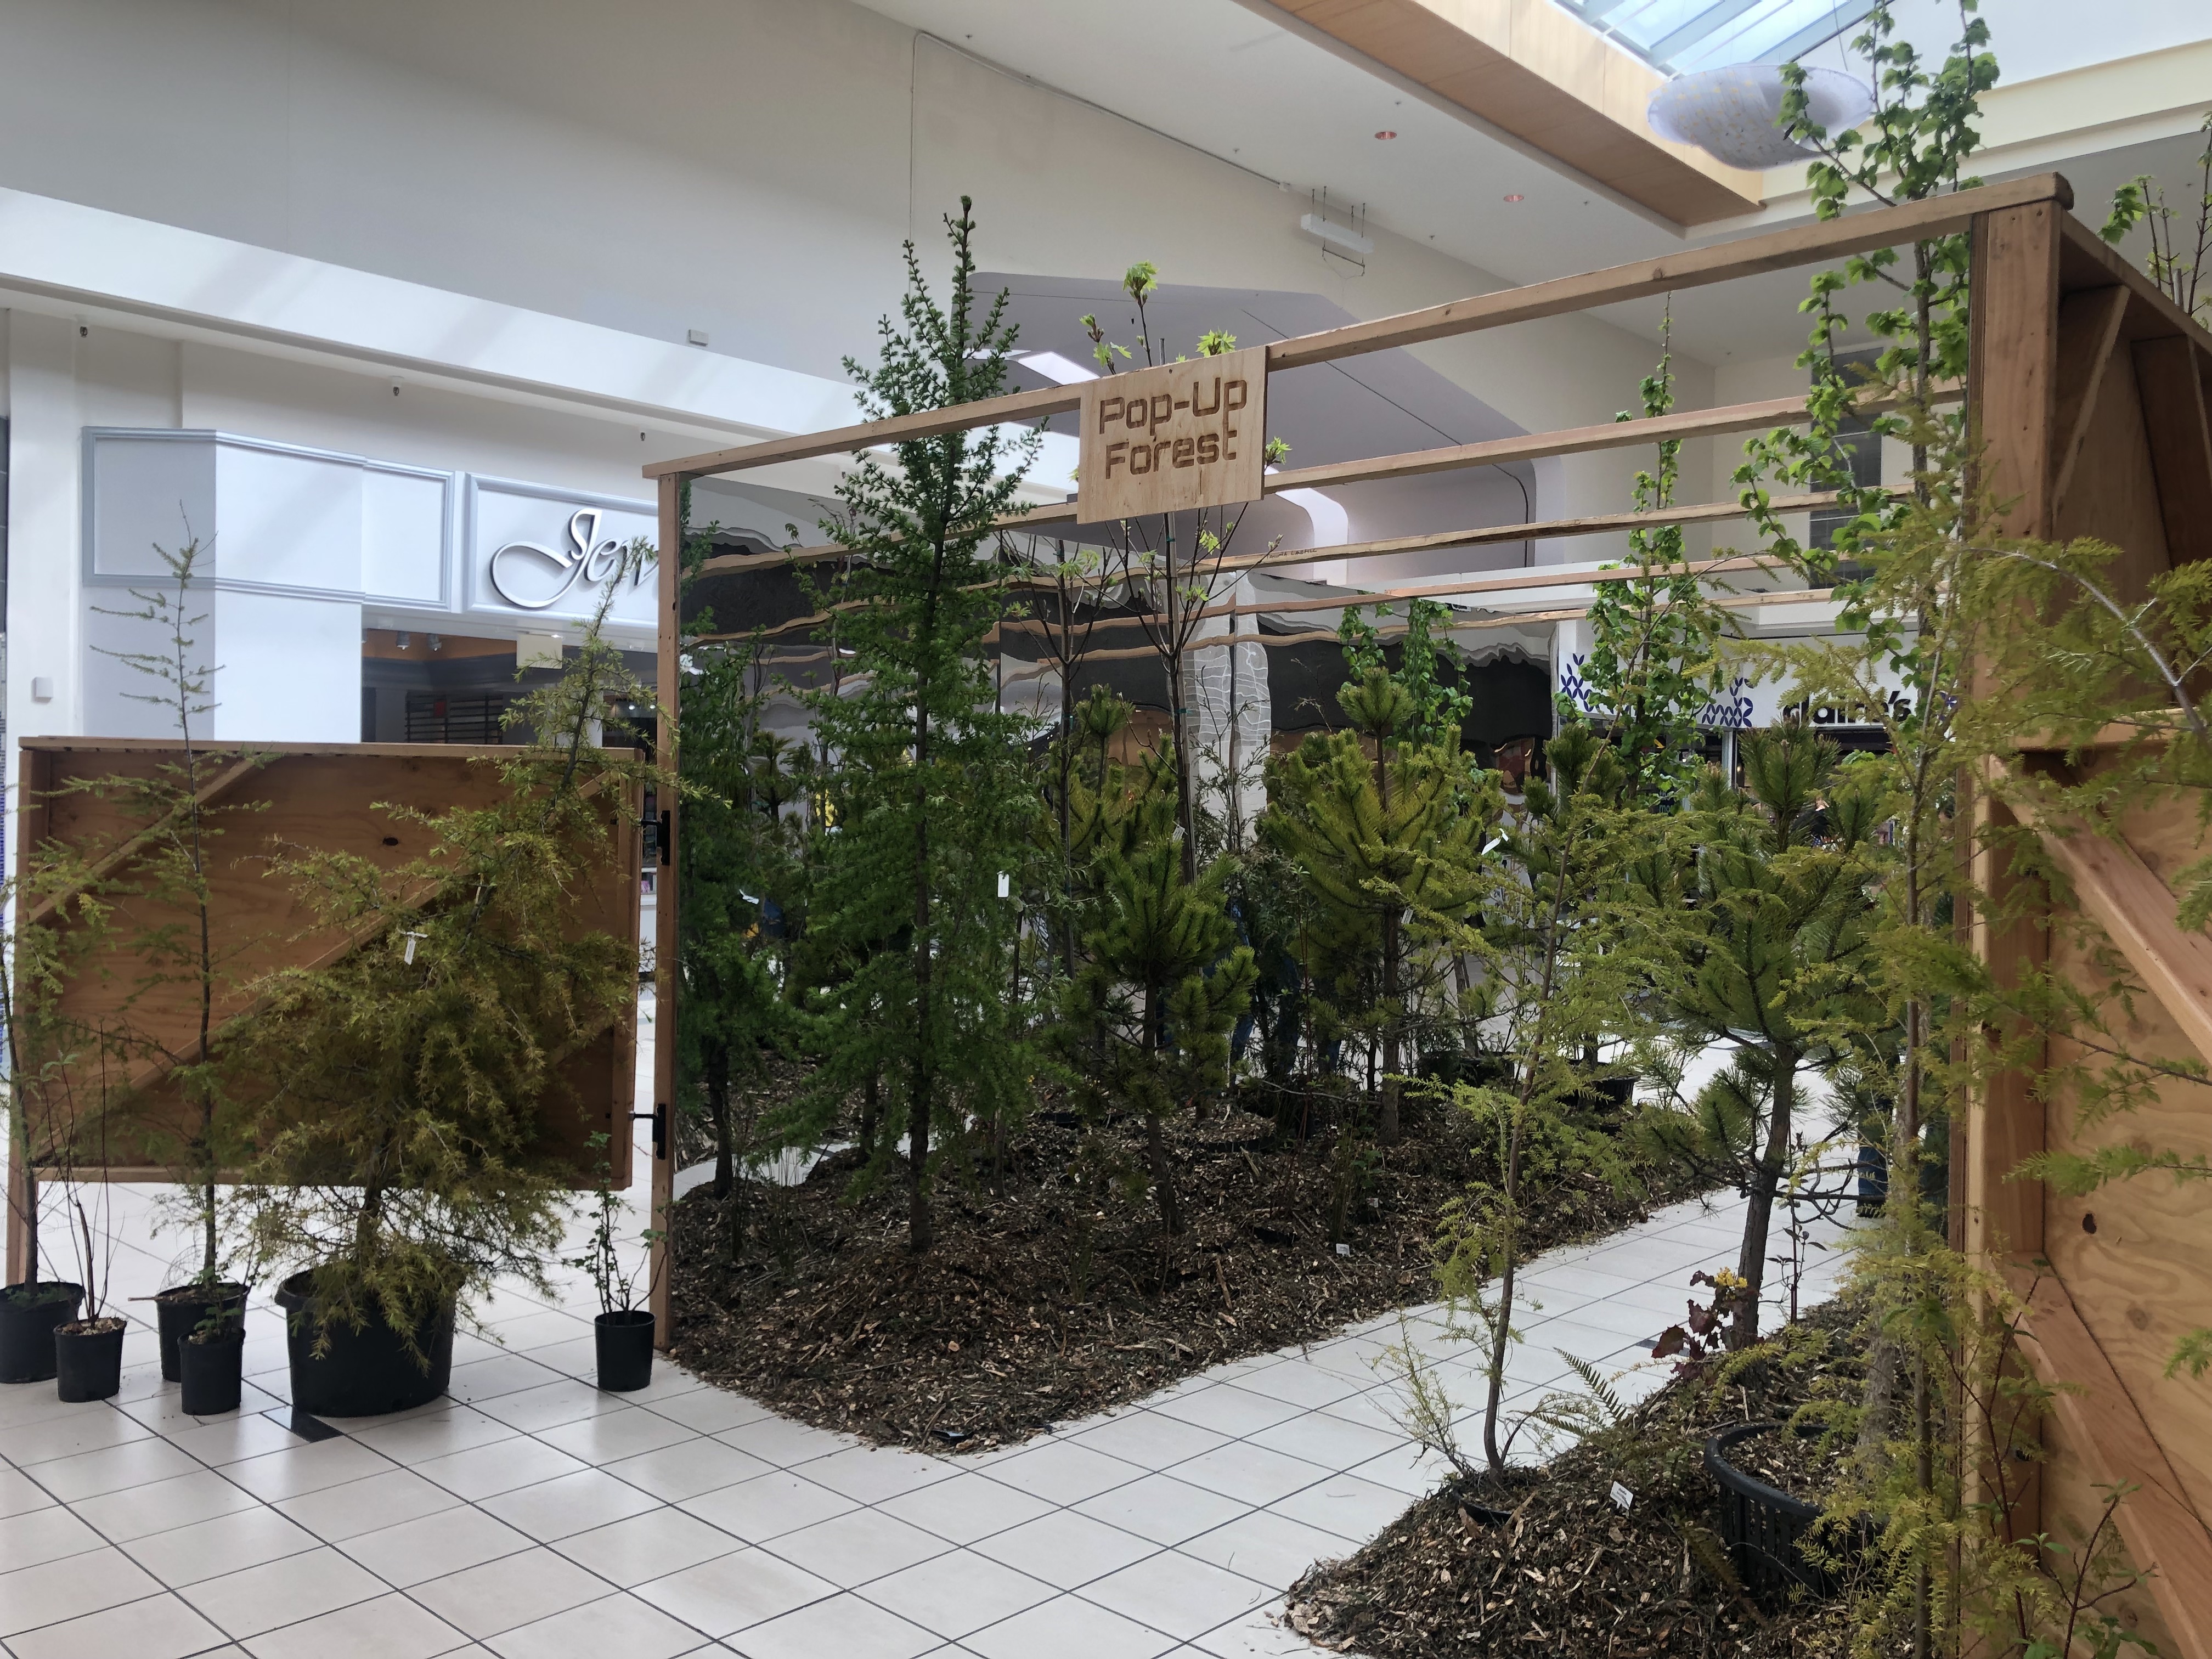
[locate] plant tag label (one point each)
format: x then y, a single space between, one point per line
1343 1249
1622 1498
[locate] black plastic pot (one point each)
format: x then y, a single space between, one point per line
29 1314
88 1363
180 1310
366 1372
625 1344
213 1367
1763 1526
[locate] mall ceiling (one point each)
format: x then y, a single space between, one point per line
1250 85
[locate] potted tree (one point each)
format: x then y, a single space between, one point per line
39 1056
622 1331
88 1348
400 1086
184 949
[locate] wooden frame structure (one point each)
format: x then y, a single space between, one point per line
2090 389
2073 348
320 796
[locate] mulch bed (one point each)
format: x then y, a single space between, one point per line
1569 1573
1057 1297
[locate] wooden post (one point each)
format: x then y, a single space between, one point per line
664 885
2012 408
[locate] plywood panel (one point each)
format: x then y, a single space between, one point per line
2114 493
339 798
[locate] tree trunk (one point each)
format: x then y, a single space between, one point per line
1155 1155
1386 1126
1186 805
1759 1213
1502 1331
1393 1007
919 1233
717 1105
871 1115
1156 1150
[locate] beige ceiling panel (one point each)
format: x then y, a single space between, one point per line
1530 70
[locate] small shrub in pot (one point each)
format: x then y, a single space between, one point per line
401 1087
623 1331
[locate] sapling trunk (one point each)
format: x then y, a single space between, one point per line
1765 1174
1155 1150
718 1104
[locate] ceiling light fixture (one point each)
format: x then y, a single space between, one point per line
1731 113
1386 135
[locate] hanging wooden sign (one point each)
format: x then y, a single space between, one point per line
1179 436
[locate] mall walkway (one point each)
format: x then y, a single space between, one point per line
531 1515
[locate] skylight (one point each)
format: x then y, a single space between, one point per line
1679 36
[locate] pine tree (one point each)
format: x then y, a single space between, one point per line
398 1095
1165 982
1386 833
1541 932
932 795
737 882
1766 947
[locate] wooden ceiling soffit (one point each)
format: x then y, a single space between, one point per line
1530 70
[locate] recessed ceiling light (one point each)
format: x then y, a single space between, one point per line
1386 135
1515 197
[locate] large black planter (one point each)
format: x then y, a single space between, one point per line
625 1345
1763 1526
180 1310
362 1373
29 1314
88 1363
213 1368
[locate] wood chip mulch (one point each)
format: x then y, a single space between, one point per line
1057 1297
1568 1573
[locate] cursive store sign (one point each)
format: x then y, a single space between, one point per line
1182 435
531 577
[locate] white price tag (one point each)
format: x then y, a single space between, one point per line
1622 1498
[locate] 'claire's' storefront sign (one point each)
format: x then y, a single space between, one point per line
548 553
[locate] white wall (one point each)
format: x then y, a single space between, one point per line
746 166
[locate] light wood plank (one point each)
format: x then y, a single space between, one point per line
869 434
667 942
1781 250
206 795
1597 524
2124 896
2089 329
2164 1536
2180 442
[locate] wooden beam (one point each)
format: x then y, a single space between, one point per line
1542 76
2124 896
2013 361
1750 256
1518 581
870 435
2165 1539
1570 613
2089 329
1781 250
667 942
1540 445
2172 393
1599 524
2084 250
207 795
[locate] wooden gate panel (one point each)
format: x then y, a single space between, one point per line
334 798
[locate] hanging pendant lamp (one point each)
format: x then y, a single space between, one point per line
1729 112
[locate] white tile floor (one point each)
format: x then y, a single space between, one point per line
530 1514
